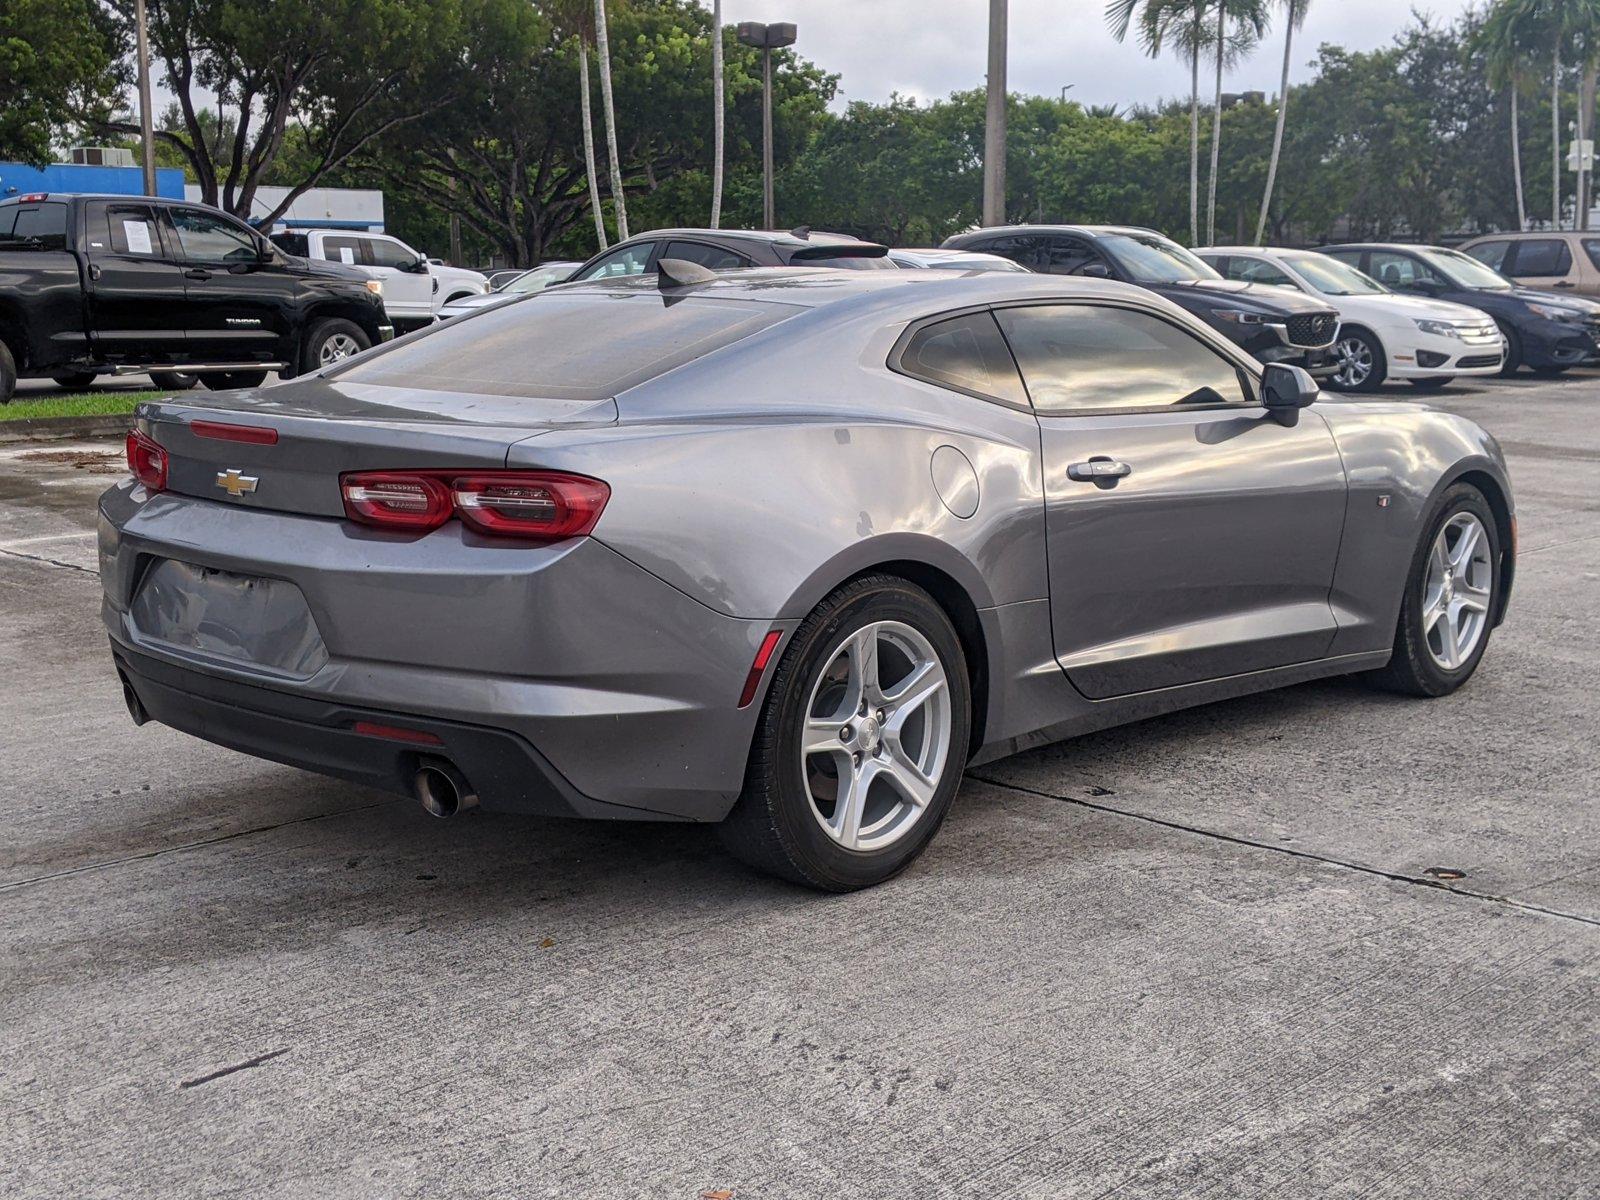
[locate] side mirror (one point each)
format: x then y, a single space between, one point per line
1285 390
420 267
1095 270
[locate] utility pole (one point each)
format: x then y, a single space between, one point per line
766 38
146 119
994 124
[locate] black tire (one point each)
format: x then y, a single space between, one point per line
324 332
223 381
75 381
1380 363
8 375
1412 668
1436 383
174 381
775 826
1551 372
1513 359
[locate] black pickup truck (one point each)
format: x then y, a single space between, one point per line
121 285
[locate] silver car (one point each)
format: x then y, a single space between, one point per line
954 260
784 549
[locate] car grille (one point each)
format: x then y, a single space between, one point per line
1316 330
1478 360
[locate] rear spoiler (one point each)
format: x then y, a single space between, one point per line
840 250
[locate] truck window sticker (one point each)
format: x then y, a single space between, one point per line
347 255
137 234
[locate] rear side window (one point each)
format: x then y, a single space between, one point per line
712 258
385 253
131 230
1491 254
967 353
567 346
41 227
1542 256
1076 358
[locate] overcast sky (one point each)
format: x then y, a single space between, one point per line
929 48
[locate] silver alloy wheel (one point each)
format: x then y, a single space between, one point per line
877 735
1456 591
1355 362
340 345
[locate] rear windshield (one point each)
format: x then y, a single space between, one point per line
572 346
37 226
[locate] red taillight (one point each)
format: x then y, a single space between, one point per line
256 435
539 505
396 733
759 667
147 461
396 499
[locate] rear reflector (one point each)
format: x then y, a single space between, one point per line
759 667
256 435
532 505
396 734
147 460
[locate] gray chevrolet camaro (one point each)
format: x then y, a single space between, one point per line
784 549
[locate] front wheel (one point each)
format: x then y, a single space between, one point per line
1433 383
1448 611
861 742
1513 359
8 375
224 381
331 341
1363 365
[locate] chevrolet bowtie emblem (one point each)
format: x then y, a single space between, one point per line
235 483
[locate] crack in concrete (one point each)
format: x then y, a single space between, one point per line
50 562
1310 855
244 1066
164 850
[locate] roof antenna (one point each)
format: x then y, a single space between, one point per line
678 272
803 232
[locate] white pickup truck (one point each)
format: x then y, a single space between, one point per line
415 287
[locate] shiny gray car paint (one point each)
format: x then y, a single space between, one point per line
747 484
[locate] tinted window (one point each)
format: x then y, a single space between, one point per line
1066 256
1151 258
43 227
1075 357
1591 247
8 220
345 250
1542 256
1401 270
1029 251
629 260
131 230
208 238
568 346
712 258
1492 254
965 352
390 254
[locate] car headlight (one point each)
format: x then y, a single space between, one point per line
1439 328
375 286
1239 316
1554 312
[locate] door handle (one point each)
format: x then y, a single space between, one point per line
1102 471
197 273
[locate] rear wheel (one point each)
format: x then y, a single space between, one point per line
8 375
330 341
1448 612
861 742
75 381
222 381
1433 383
174 381
1363 364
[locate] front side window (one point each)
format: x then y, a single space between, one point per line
212 238
712 258
965 352
1079 358
1542 256
391 254
1067 256
345 250
627 260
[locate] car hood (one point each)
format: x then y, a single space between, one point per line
1274 300
1566 299
1410 307
329 270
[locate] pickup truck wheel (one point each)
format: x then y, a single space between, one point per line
8 375
75 381
174 381
332 340
223 381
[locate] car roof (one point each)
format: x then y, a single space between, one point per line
1082 230
1411 246
779 237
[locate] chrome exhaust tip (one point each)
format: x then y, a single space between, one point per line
442 789
136 708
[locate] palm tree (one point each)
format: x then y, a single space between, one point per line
1508 38
717 114
1250 20
603 50
1294 18
573 18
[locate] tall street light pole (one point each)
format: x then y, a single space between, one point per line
994 124
766 38
146 120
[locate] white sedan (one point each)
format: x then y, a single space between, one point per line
1382 335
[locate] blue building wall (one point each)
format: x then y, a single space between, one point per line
20 179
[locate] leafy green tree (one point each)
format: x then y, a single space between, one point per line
60 70
1294 17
